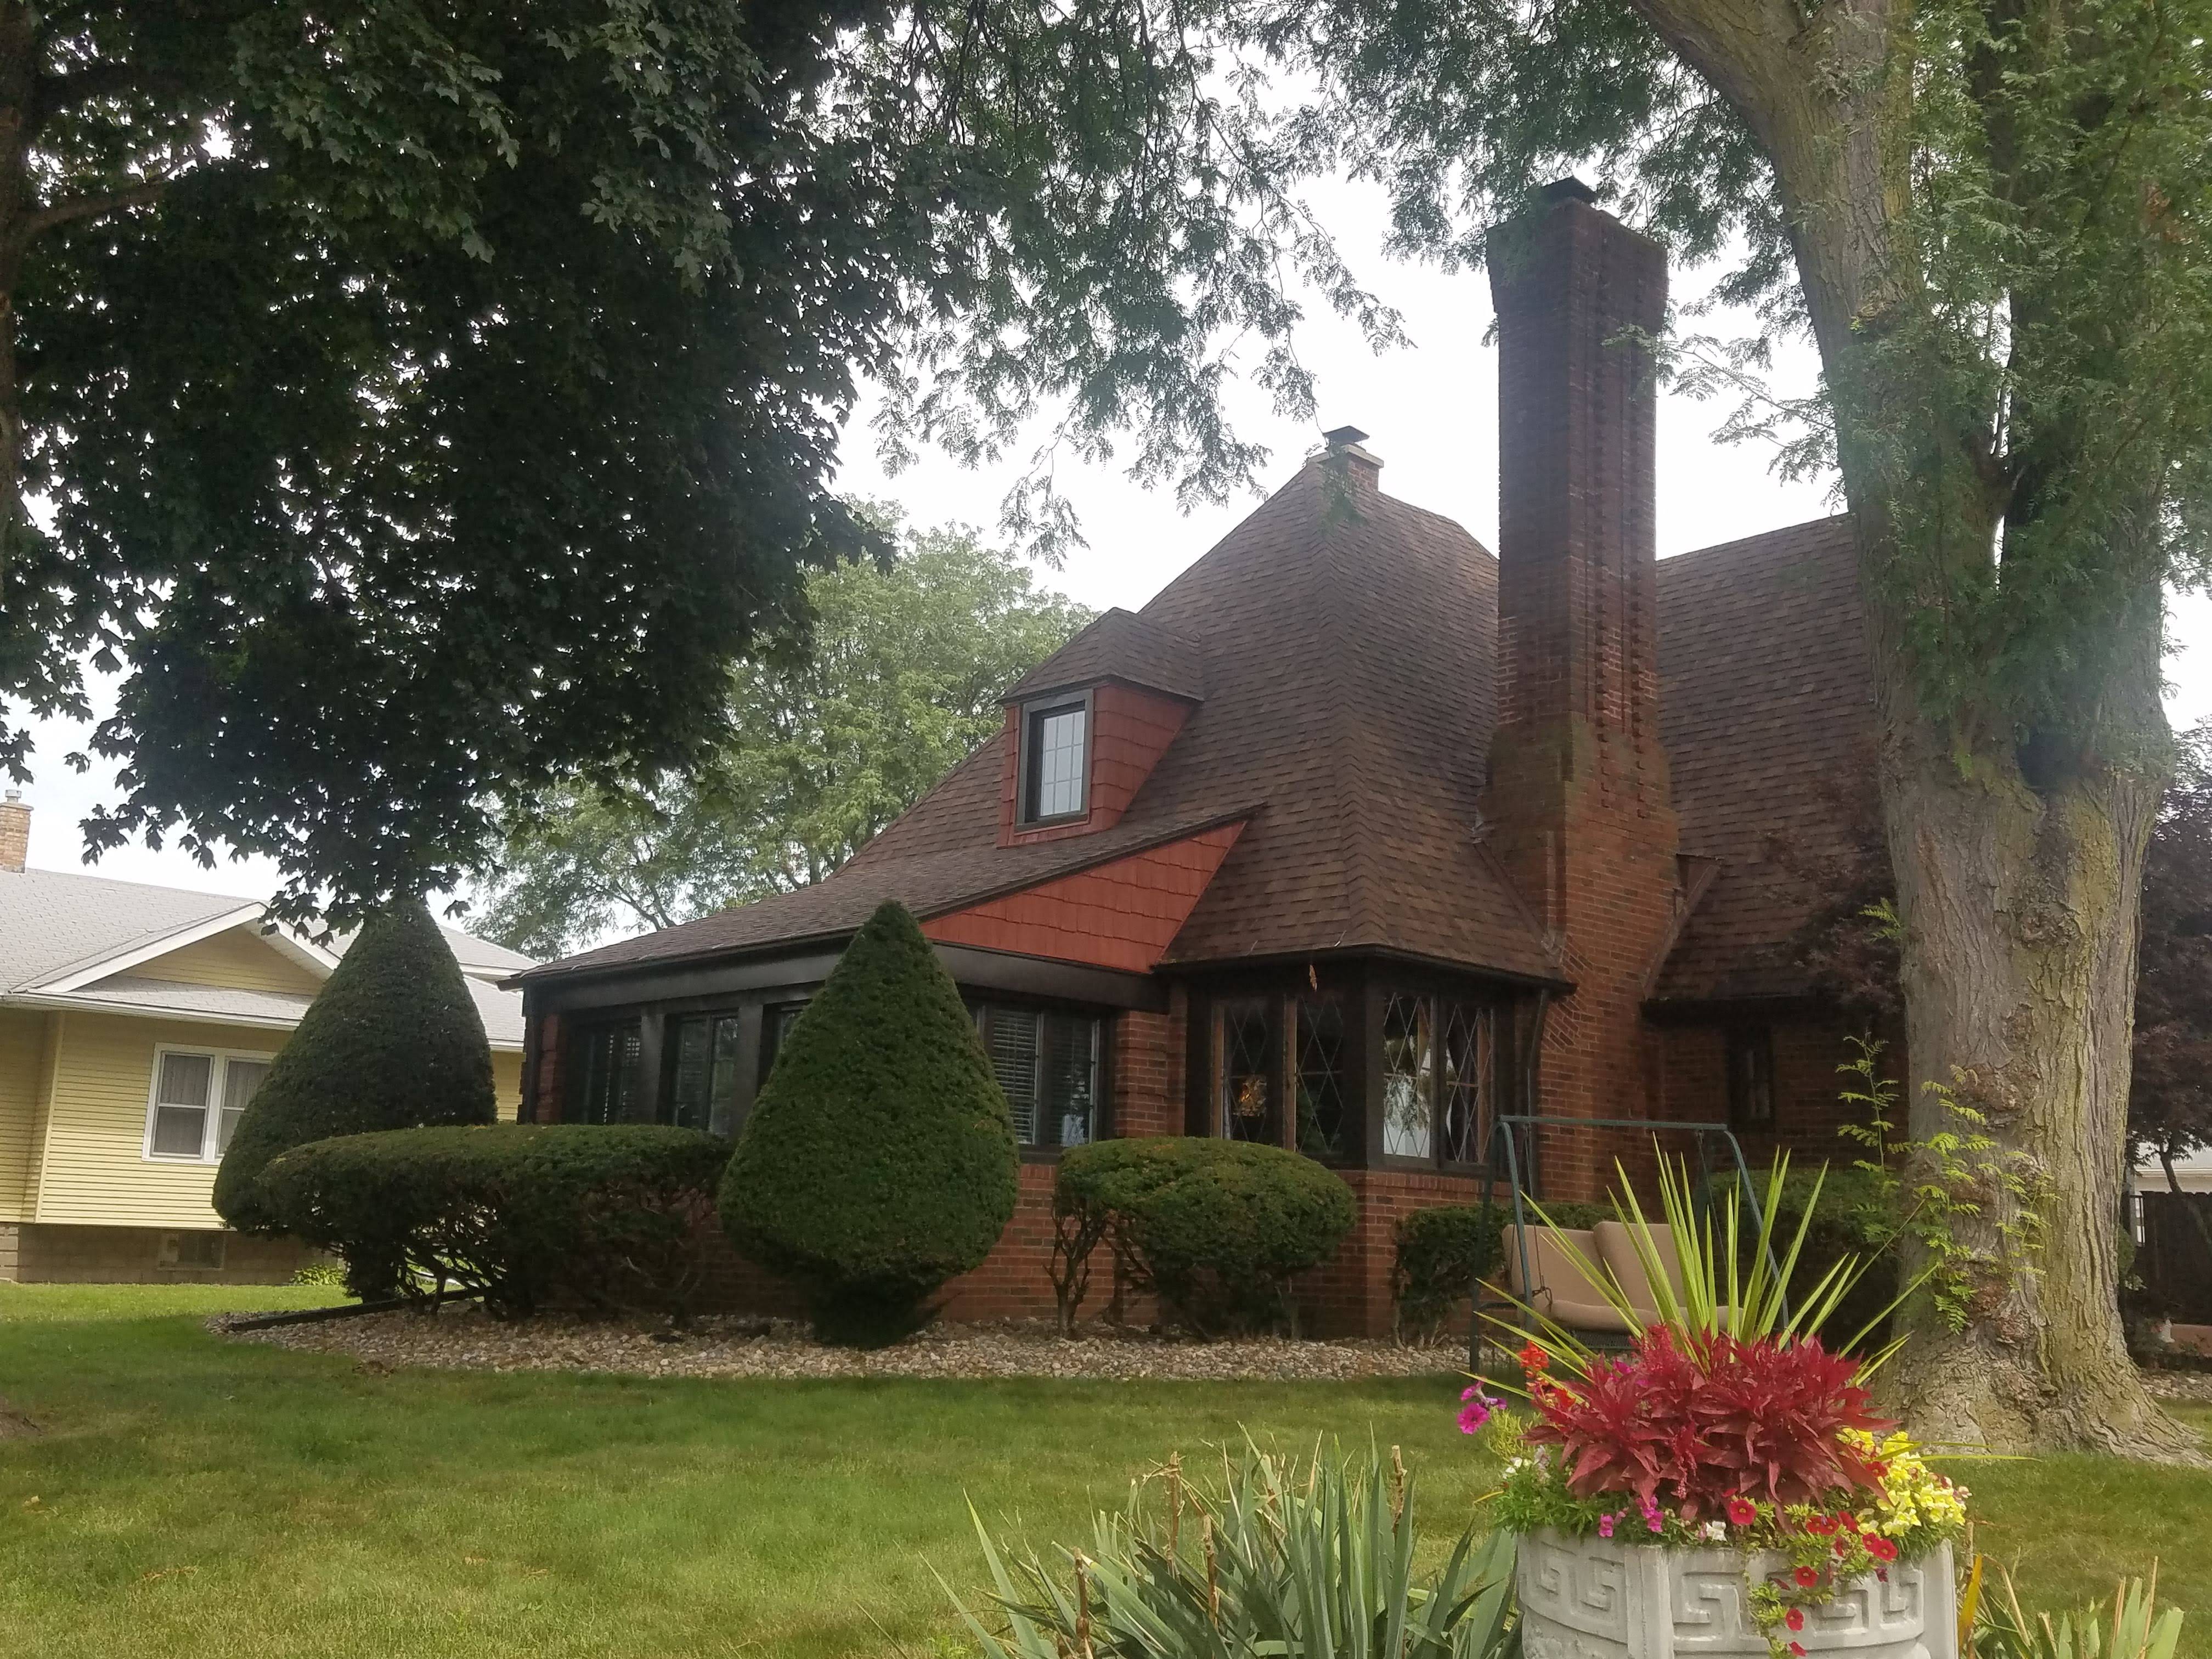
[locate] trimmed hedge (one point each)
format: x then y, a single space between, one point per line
393 1041
608 1216
1443 1251
1216 1228
878 1161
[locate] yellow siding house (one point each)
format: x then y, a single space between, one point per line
136 1022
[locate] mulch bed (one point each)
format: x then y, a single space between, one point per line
462 1337
2189 1387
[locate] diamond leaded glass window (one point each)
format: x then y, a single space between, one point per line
1244 1040
1465 1081
1409 1068
1324 1086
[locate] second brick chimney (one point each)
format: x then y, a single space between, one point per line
1577 801
14 830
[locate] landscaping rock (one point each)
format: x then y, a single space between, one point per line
462 1337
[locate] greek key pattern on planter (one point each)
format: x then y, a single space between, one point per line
1600 1600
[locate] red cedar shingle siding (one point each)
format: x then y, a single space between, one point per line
1130 729
1121 915
1767 706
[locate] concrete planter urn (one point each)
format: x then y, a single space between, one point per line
1597 1598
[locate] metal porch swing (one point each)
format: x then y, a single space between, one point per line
1511 1153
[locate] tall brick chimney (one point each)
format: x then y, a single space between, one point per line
15 831
1577 800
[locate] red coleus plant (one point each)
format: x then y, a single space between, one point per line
1723 1417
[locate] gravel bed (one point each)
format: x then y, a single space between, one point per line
2191 1386
461 1337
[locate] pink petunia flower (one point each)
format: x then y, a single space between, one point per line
1605 1526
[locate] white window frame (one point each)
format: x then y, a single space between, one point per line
218 1072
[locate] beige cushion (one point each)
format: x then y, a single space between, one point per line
1616 1248
1561 1290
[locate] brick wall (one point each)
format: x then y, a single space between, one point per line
1578 802
1809 1110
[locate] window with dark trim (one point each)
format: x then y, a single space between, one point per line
702 1083
776 1021
1325 1085
1055 752
1047 1060
1246 1059
1751 1077
1439 1064
605 1073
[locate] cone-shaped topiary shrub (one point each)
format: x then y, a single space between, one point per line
392 1041
879 1158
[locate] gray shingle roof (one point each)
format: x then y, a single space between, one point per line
1120 645
54 921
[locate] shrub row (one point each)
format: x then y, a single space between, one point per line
607 1217
1217 1229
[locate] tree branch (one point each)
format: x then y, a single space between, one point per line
37 223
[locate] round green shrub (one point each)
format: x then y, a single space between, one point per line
393 1041
879 1159
606 1216
1216 1228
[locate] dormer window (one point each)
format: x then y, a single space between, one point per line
1055 756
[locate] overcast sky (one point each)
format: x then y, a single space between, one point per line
1431 414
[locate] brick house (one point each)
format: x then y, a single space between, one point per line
1357 834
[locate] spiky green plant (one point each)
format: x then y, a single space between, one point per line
1311 1560
1725 1288
1994 1626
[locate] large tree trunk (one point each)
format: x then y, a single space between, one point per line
2020 898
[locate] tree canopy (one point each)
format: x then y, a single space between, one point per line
432 401
898 680
2170 1108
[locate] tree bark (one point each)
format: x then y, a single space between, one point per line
2019 896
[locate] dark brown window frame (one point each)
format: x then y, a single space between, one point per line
1029 737
1755 1042
1104 1026
1441 998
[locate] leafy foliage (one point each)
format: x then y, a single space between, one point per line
900 681
1442 1250
1218 1229
393 1041
523 1214
1996 1627
1929 1187
878 1160
1698 1423
433 405
1307 1563
2170 1105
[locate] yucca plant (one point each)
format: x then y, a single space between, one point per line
1726 1290
1994 1626
1311 1560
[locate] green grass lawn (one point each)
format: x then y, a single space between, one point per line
199 1498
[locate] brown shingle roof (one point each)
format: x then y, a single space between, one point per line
1120 645
1345 656
1766 707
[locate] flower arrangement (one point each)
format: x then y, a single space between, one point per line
1726 1423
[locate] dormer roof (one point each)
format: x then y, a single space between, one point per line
1125 646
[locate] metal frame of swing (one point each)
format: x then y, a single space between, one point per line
1503 1131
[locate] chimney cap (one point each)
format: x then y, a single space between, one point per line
15 794
1569 189
1343 437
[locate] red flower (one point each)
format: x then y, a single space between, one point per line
1807 1577
1533 1358
1849 1522
1742 1512
1821 1526
1795 1618
1798 1650
1843 1548
1881 1549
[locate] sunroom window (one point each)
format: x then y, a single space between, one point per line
1047 1060
1244 1041
703 1085
1436 1070
606 1066
1324 1081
